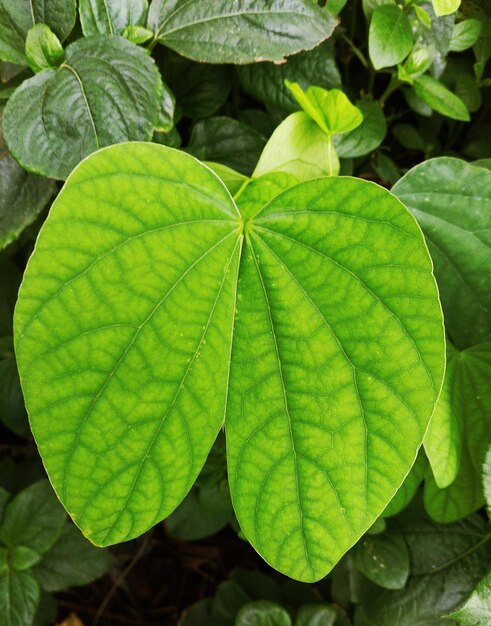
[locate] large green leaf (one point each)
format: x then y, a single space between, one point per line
239 31
107 91
18 16
111 17
452 202
297 323
477 610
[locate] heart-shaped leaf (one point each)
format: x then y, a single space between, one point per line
239 31
108 90
152 313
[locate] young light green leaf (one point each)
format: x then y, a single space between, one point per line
22 197
33 519
465 34
434 93
19 597
390 37
228 142
477 610
423 15
17 18
331 110
57 118
299 147
71 562
137 34
445 7
43 49
367 136
383 558
266 81
232 180
111 17
239 31
435 191
299 324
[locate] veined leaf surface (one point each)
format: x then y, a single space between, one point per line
152 313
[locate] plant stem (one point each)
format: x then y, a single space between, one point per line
394 84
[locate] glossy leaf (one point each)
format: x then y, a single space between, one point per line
390 37
266 81
18 17
459 240
111 17
239 31
434 93
316 292
57 118
477 610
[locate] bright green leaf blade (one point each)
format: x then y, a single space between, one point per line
17 17
383 558
445 7
33 519
298 147
232 180
443 439
116 390
330 109
409 487
434 93
266 81
261 190
477 610
43 49
57 118
331 364
19 598
390 37
22 197
452 202
369 134
239 31
71 562
111 17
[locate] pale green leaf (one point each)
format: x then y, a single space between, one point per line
298 324
233 180
239 31
390 37
465 34
330 109
19 598
434 93
299 147
55 119
17 17
477 610
445 7
111 17
43 49
266 81
437 192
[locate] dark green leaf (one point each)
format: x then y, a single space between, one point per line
367 137
111 17
262 613
18 16
477 610
228 142
266 81
34 518
434 93
72 561
315 615
239 31
57 118
459 240
19 598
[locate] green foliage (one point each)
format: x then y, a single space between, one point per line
390 38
